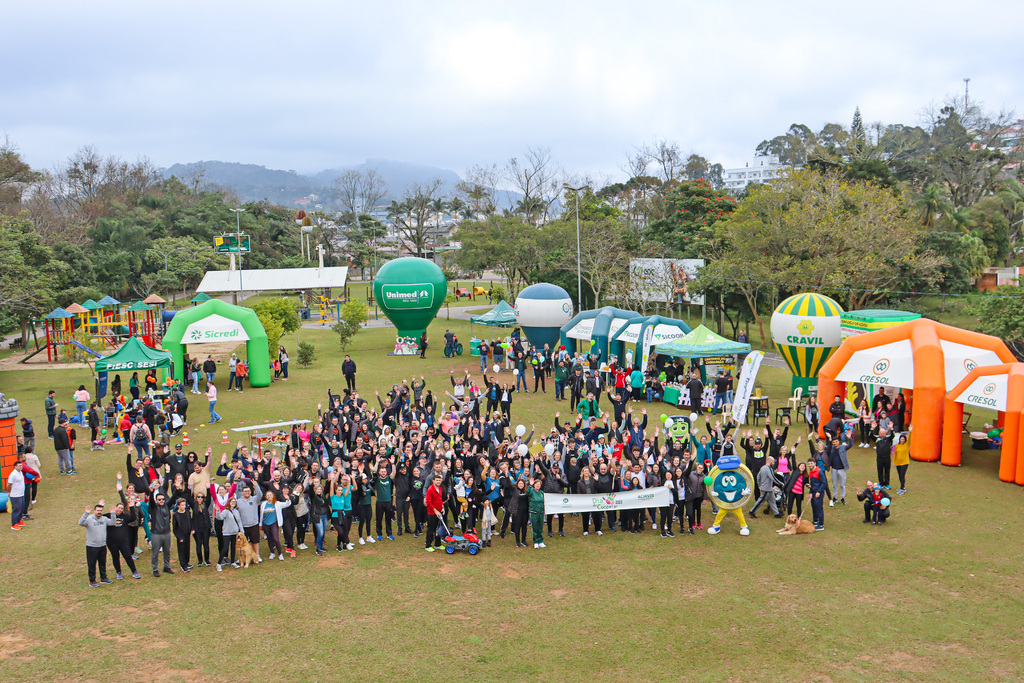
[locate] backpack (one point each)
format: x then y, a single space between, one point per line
140 436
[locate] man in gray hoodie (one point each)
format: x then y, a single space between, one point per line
766 484
248 496
96 541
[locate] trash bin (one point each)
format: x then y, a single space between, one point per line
474 347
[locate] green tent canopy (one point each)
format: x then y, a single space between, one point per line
701 343
200 298
139 306
134 355
502 314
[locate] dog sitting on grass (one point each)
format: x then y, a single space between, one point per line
796 526
244 550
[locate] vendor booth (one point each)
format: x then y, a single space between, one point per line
133 356
649 331
592 332
922 357
218 322
995 387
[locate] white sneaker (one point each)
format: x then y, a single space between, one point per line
535 546
600 533
303 546
281 557
586 533
271 555
543 546
351 546
219 567
831 503
258 559
371 539
744 531
361 541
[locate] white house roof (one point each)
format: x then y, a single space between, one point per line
274 279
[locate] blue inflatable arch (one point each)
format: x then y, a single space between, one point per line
594 327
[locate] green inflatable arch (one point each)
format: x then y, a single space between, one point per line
230 322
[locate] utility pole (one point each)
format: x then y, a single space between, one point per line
967 90
579 259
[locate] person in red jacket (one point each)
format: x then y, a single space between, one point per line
434 502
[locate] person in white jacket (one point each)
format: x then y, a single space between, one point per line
270 517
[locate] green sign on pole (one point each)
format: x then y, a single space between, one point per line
229 244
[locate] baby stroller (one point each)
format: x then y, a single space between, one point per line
779 489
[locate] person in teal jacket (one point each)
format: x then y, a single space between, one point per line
537 513
636 383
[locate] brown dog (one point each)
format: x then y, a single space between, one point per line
795 526
244 550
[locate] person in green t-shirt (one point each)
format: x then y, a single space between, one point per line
384 488
537 513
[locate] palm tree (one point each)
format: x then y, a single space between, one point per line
931 203
1011 193
959 218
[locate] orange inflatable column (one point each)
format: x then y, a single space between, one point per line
1011 461
952 429
827 390
929 394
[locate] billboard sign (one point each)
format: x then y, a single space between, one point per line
666 280
229 244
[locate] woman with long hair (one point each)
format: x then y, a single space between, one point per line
864 421
520 508
901 458
796 484
231 521
272 519
341 510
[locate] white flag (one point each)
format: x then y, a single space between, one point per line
745 385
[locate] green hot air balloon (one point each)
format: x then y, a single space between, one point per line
807 329
410 291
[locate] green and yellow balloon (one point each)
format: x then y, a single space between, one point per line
807 329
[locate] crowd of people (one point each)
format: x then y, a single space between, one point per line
412 462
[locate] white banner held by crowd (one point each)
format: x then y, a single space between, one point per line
655 497
745 385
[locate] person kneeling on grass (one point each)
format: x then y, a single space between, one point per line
876 504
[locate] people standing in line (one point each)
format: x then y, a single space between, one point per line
211 396
50 404
282 356
348 368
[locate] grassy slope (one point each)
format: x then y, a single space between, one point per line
936 594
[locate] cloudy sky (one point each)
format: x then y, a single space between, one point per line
318 84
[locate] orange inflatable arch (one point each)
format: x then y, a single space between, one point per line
921 355
996 387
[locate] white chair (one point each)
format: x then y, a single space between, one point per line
794 401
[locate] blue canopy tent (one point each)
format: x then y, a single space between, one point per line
596 327
662 330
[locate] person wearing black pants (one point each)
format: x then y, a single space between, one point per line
522 513
419 512
183 534
402 499
587 486
201 527
342 525
883 457
118 539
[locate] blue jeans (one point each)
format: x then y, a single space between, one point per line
320 529
559 389
81 406
729 396
209 377
213 413
483 362
284 370
719 401
653 395
142 449
195 381
521 377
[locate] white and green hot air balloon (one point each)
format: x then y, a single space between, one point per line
806 329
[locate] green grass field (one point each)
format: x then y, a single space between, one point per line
937 594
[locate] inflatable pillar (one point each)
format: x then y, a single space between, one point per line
8 437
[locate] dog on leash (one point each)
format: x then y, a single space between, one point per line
796 526
244 550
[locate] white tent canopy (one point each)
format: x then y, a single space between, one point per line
584 329
987 391
274 279
663 333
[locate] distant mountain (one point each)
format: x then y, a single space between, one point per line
288 188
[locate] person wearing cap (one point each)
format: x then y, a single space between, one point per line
232 364
96 524
756 451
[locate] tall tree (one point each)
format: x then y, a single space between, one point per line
535 176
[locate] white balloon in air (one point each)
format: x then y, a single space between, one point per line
520 430
523 450
497 368
515 371
693 417
669 422
550 449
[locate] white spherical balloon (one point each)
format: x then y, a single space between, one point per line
523 450
550 449
669 422
497 368
693 417
515 371
520 430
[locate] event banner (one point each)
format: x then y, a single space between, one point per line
656 497
745 387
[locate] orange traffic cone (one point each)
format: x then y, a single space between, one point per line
184 439
224 437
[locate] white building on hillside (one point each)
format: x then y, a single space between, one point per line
763 169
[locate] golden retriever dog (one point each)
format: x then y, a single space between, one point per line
794 527
244 550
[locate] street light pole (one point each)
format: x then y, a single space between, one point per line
238 246
579 270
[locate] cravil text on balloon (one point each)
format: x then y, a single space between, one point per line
806 341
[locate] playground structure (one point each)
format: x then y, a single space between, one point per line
922 358
105 323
